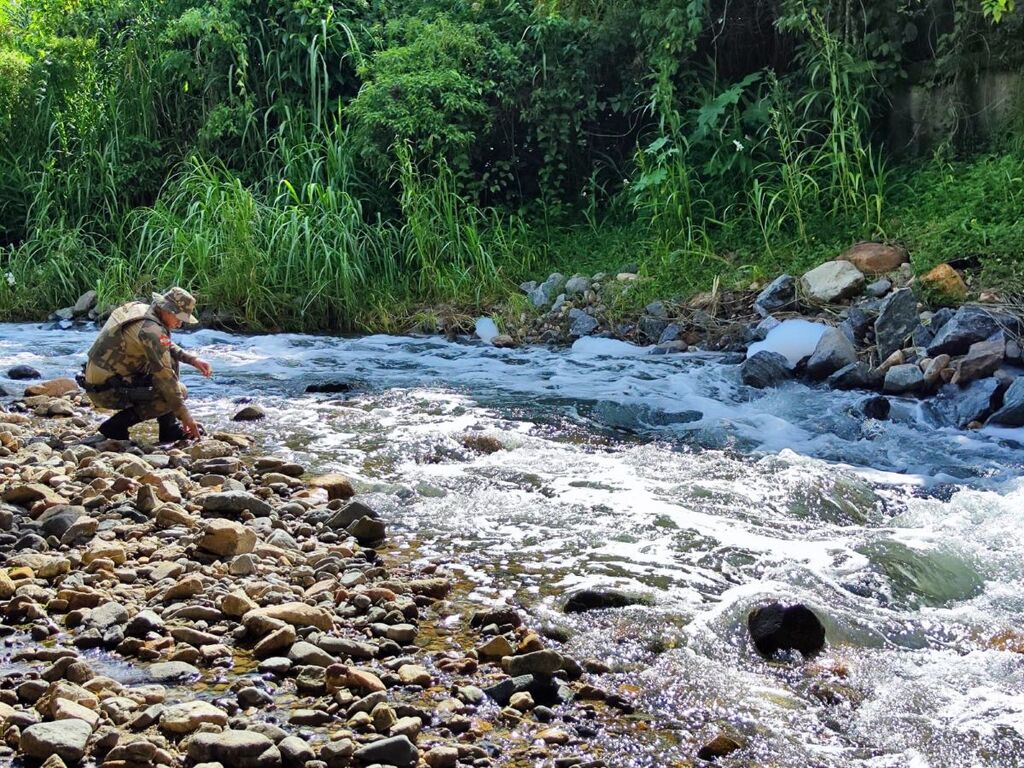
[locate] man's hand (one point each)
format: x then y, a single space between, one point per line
190 426
203 367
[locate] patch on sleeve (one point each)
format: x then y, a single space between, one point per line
165 340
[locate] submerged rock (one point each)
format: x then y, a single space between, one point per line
596 598
775 628
1011 414
23 373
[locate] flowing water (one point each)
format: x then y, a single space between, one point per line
665 476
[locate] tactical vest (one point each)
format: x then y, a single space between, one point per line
113 348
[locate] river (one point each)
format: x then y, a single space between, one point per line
665 476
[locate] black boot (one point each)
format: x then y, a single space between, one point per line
171 430
117 426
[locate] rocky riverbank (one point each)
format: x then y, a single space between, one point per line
202 605
860 322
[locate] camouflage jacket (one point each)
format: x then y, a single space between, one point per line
134 343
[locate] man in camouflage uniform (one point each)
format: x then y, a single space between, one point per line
133 367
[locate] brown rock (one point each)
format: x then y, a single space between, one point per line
296 614
52 388
875 258
228 538
337 486
719 746
945 284
982 359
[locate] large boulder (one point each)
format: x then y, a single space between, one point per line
1012 412
966 405
765 369
969 325
57 520
189 716
778 295
64 738
831 282
596 598
85 303
834 351
897 318
775 627
875 258
23 373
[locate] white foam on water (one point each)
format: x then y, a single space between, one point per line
486 329
793 339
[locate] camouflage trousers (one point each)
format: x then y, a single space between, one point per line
145 401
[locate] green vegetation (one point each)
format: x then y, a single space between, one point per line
309 165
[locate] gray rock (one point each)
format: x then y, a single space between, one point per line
58 519
831 282
85 302
108 615
172 671
982 359
780 294
234 749
368 530
397 751
338 753
348 514
855 326
545 293
581 324
559 303
545 662
295 752
347 648
143 623
6 517
876 407
765 369
657 309
672 332
282 539
879 288
974 402
503 691
577 285
969 325
857 375
234 503
306 654
65 738
940 318
833 351
903 378
896 321
922 336
1011 414
651 327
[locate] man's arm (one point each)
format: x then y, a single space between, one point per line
156 345
184 356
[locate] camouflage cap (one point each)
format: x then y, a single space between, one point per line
178 302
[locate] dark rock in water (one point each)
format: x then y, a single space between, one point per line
775 628
897 318
778 295
876 407
582 324
330 387
857 375
720 746
652 327
1011 414
833 351
250 413
498 616
765 369
367 530
348 514
959 406
596 598
23 373
969 325
502 692
903 378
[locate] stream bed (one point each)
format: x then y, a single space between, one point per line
664 476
